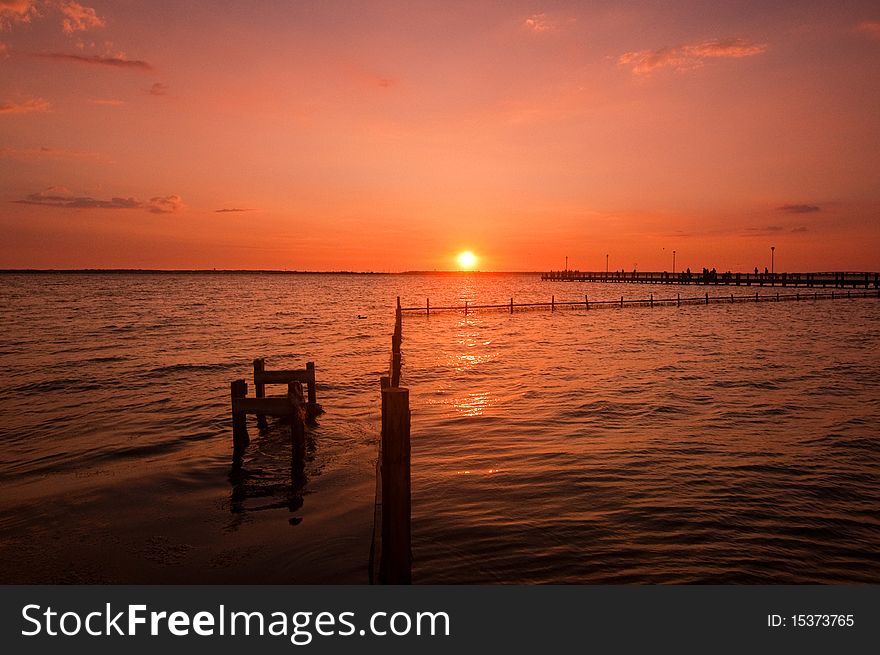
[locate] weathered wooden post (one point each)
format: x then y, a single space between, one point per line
240 438
731 298
260 388
756 296
297 425
465 307
312 386
395 563
678 299
427 306
707 297
586 301
777 296
652 300
552 303
621 302
511 305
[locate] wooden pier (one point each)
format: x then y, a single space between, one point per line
390 554
808 280
650 301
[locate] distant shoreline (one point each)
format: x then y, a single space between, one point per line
209 271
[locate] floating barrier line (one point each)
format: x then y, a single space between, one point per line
587 304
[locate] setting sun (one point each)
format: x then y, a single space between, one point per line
467 260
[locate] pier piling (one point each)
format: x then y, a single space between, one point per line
240 438
260 388
395 558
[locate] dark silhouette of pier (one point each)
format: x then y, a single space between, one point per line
840 280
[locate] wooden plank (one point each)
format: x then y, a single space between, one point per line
268 406
283 377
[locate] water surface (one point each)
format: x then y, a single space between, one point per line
728 443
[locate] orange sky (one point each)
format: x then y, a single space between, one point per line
393 135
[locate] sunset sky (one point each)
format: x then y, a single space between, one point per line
394 135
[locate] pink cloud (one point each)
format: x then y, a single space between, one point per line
870 27
16 11
543 23
689 56
32 106
78 18
539 23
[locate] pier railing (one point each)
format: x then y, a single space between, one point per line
840 280
390 556
650 301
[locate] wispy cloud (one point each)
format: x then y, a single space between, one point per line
164 204
77 18
158 89
44 152
689 56
60 198
108 102
870 27
117 61
32 106
543 22
799 208
539 23
771 230
16 11
231 209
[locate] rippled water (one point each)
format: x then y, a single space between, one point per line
728 443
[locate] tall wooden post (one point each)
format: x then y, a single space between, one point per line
678 299
511 305
395 563
465 307
552 303
260 388
707 297
240 438
427 306
586 301
652 300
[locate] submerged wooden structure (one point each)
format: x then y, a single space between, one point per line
390 552
292 406
840 280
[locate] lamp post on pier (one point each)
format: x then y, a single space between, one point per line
772 259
